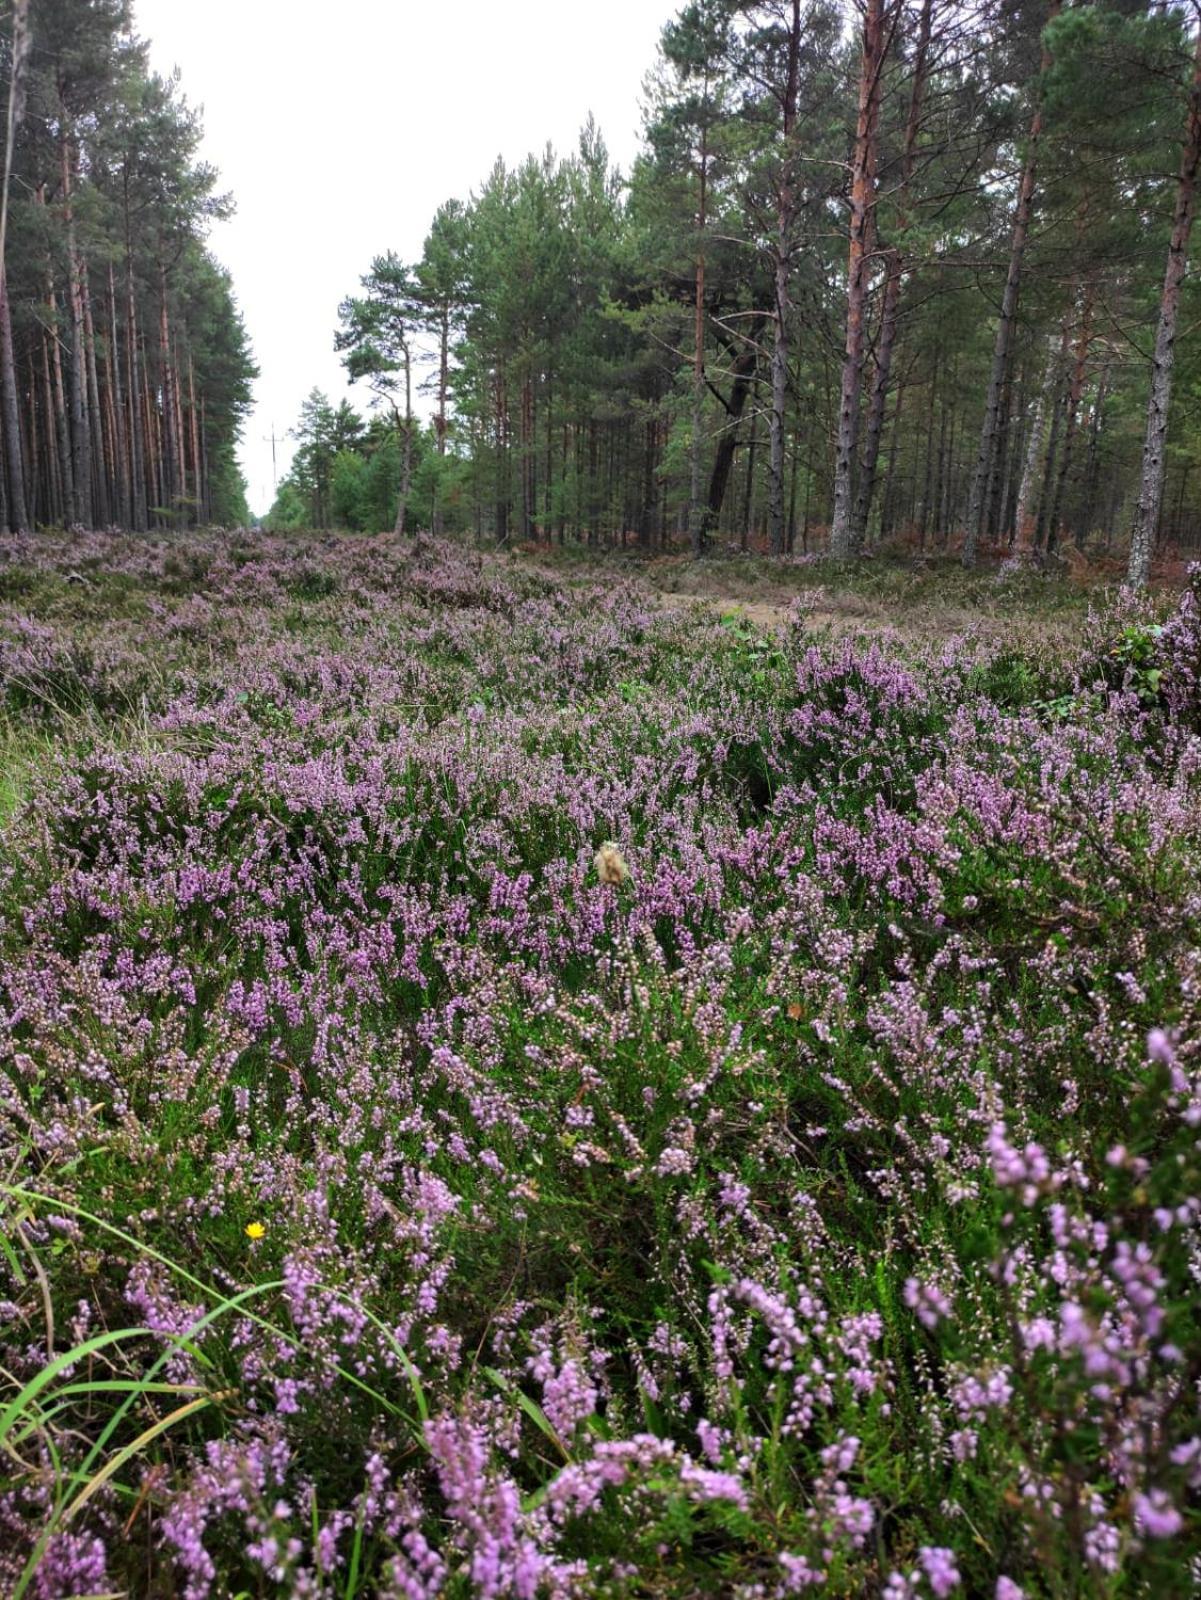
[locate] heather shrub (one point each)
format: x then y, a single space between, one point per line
506 1090
1179 656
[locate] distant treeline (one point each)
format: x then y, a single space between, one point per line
124 365
905 279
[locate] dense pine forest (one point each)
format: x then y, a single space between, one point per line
910 270
124 367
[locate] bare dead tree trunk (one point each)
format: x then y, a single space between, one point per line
1004 339
863 201
1150 496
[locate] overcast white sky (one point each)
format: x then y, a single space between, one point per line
340 128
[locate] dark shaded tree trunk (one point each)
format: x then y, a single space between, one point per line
895 259
18 513
118 416
1075 394
172 486
61 423
987 454
1024 518
99 446
743 370
1084 520
1043 533
80 432
748 500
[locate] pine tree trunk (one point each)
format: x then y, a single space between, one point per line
1024 521
1084 518
744 531
742 371
31 421
115 408
152 426
1009 300
56 455
1150 496
406 455
18 513
888 498
1042 534
892 288
696 514
203 510
792 478
785 222
172 486
863 200
1072 413
62 425
502 474
998 524
100 444
930 482
205 479
779 396
81 452
137 434
646 510
527 459
440 423
942 479
186 495
593 483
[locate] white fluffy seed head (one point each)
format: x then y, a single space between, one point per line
610 864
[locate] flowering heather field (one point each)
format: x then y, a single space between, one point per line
509 1090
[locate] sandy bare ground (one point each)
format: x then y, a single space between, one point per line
840 615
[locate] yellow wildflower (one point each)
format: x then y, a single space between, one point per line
255 1230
